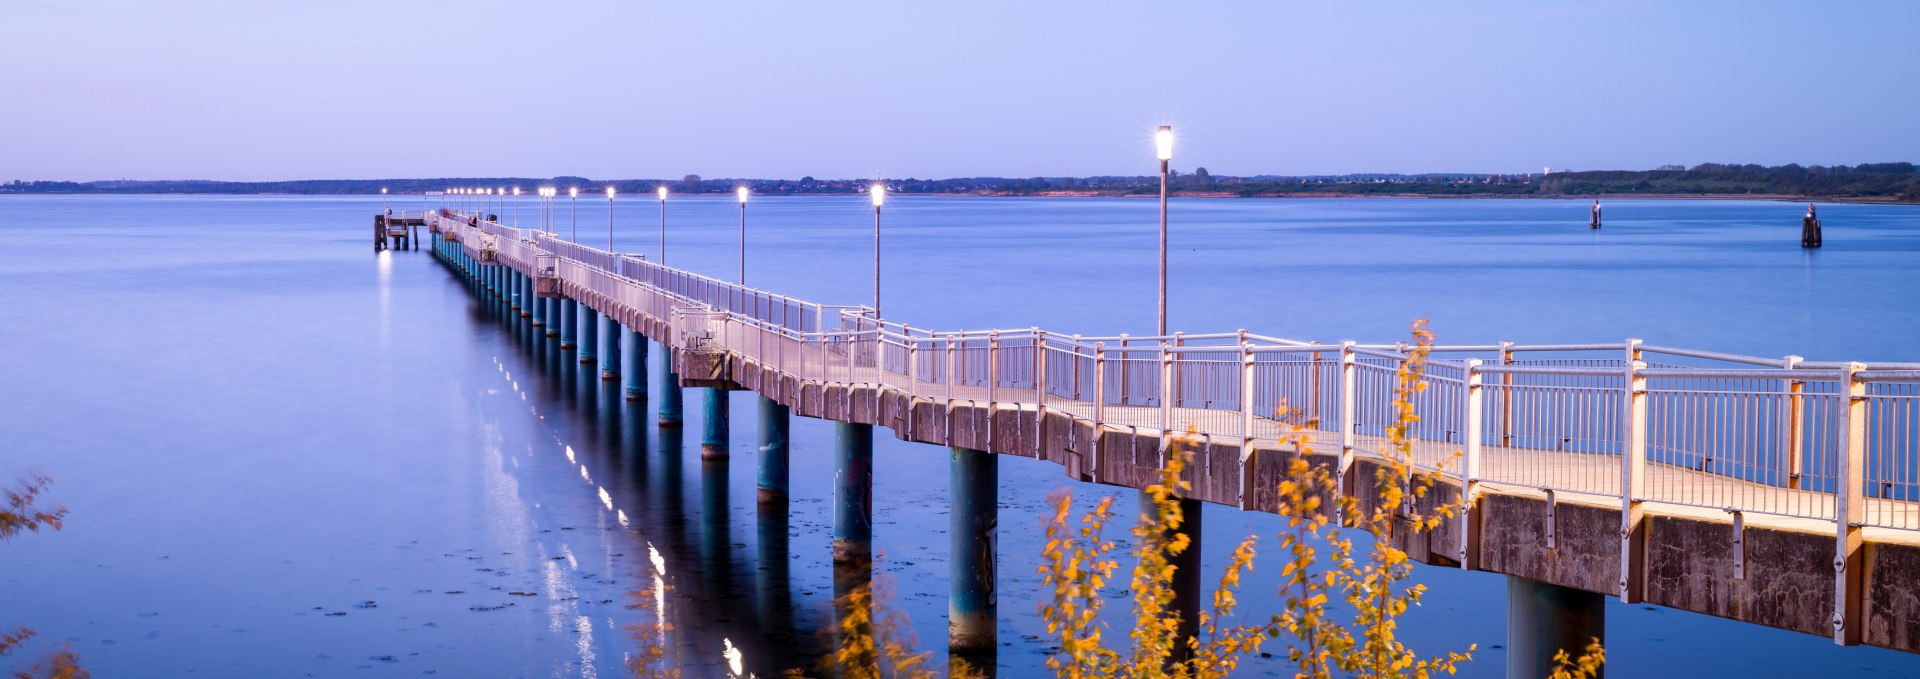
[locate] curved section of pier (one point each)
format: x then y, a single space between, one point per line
1777 491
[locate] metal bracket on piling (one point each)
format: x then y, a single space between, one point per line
1739 544
1552 536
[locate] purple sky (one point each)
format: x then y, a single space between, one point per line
266 89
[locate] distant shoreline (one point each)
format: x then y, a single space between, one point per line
1782 197
1221 195
1897 182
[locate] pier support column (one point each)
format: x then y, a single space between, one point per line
1186 573
852 493
714 430
569 322
669 391
527 298
589 337
774 417
609 348
539 306
972 607
633 365
1544 618
552 305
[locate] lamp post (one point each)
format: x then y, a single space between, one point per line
609 219
573 216
879 192
1163 142
516 207
1186 581
384 207
742 193
663 226
499 203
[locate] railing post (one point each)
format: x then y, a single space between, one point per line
913 369
993 373
1849 569
1099 408
993 383
950 366
1246 423
1039 344
1179 373
1349 383
1313 385
1506 395
1633 471
1793 431
1124 382
1076 367
1470 468
1166 401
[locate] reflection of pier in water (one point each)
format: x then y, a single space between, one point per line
721 603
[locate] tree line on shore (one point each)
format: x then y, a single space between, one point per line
1884 181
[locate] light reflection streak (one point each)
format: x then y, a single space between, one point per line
732 655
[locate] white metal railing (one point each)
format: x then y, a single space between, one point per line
1827 441
1737 433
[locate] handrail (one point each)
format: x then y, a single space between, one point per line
1782 437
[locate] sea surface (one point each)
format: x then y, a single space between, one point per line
287 455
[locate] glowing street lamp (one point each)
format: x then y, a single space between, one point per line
609 219
742 194
663 226
516 207
383 199
1163 142
879 193
573 216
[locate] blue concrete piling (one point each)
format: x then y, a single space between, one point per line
553 317
975 515
852 493
669 392
569 322
1186 572
527 299
539 305
589 336
633 365
714 431
1544 618
609 348
774 417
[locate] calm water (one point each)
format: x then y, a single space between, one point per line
289 456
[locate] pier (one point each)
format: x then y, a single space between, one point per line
1776 491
